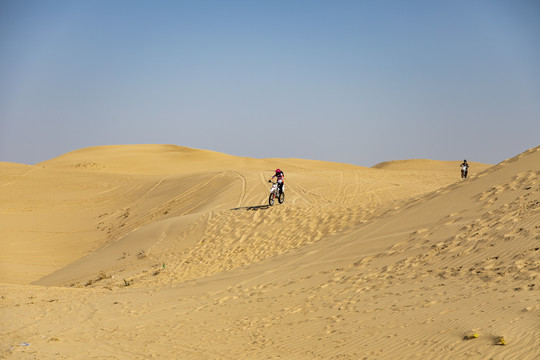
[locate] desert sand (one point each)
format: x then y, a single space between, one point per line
167 252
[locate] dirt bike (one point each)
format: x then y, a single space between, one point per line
464 171
274 192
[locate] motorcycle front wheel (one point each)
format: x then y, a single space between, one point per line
271 199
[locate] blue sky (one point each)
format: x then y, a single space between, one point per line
358 82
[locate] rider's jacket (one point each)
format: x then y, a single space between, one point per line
280 176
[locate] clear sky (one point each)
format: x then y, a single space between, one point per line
357 82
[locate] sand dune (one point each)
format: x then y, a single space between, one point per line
68 207
157 251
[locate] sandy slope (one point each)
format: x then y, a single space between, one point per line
63 209
169 252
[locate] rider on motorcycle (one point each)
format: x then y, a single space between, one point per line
464 168
280 179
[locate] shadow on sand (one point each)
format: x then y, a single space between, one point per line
253 208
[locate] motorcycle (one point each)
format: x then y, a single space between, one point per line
464 171
274 192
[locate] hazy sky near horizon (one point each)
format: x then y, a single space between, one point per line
358 82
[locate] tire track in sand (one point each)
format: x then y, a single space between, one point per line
243 193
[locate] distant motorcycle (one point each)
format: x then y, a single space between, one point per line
274 192
464 171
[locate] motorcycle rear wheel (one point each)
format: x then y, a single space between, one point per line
281 197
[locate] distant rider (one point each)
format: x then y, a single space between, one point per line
280 176
464 169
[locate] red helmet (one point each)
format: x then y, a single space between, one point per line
278 171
